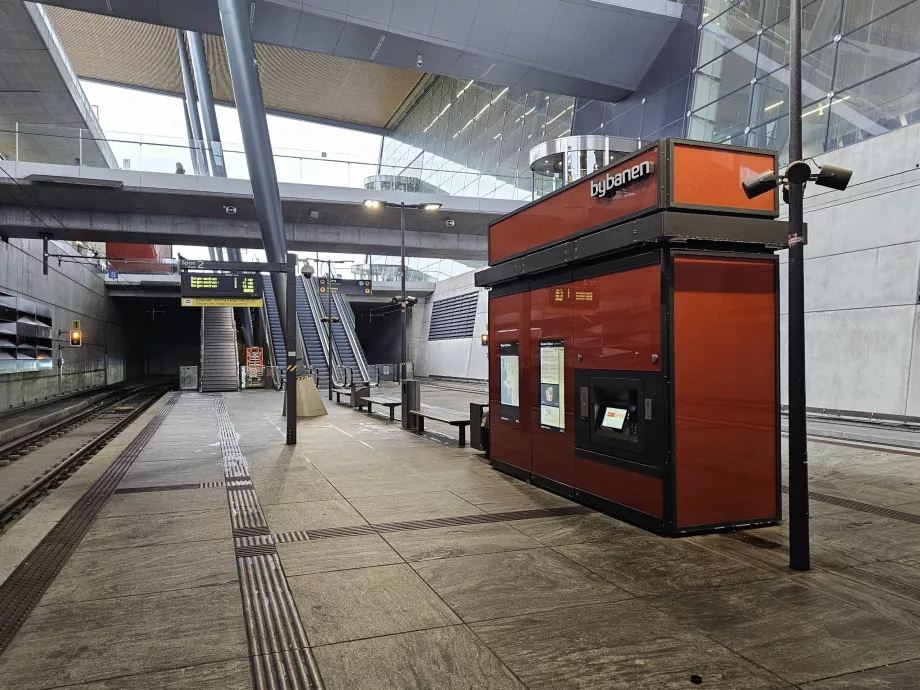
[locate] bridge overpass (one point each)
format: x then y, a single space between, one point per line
100 205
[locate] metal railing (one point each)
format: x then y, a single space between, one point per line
39 143
332 355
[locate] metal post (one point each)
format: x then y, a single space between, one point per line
199 160
329 320
402 280
44 255
799 557
247 92
80 138
290 345
17 142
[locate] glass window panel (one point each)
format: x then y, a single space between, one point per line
814 127
723 119
725 74
771 93
859 12
883 45
741 22
886 103
772 135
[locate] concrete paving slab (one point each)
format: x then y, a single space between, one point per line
292 485
647 565
290 517
577 529
171 472
796 632
92 575
129 531
368 602
223 675
901 676
450 658
500 585
341 553
174 501
450 542
414 506
626 644
95 640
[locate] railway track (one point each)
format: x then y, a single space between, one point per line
38 462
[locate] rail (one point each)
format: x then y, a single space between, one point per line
348 325
22 500
149 153
337 371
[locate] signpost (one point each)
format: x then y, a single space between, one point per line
345 286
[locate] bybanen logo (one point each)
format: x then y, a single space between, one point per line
611 183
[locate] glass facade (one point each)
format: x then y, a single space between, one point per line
418 269
471 138
860 71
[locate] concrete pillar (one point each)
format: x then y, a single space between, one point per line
192 121
247 92
206 98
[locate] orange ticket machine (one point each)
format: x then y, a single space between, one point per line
634 340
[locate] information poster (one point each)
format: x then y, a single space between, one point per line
510 382
552 385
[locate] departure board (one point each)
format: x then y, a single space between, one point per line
244 286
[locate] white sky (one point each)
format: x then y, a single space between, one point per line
147 132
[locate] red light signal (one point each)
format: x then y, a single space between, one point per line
76 338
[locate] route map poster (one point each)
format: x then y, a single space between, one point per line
552 385
510 382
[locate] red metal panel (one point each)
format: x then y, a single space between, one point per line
509 322
551 319
618 320
725 390
573 210
637 491
142 258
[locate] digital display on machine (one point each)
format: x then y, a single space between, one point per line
614 418
221 285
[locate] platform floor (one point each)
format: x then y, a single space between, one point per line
405 563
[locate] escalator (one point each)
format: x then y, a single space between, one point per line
274 324
219 354
346 340
313 340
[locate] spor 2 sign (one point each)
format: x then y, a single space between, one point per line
609 185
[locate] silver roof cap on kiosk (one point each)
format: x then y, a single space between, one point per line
570 158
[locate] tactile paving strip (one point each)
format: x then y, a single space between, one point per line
27 584
279 653
477 519
862 507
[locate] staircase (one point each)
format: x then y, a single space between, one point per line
310 334
219 360
274 324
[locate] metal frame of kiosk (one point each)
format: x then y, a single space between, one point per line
642 329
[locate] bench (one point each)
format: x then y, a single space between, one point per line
339 392
439 414
385 402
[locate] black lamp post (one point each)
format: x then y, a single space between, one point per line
404 301
793 181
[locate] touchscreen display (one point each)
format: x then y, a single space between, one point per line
614 418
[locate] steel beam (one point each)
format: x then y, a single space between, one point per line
206 99
247 92
192 121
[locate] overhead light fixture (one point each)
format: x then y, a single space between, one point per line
465 88
373 203
430 207
775 105
437 116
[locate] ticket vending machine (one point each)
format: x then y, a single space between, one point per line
634 340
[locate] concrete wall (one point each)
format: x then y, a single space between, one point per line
862 272
463 358
74 291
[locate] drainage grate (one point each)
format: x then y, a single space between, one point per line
279 653
754 540
477 519
862 507
26 585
